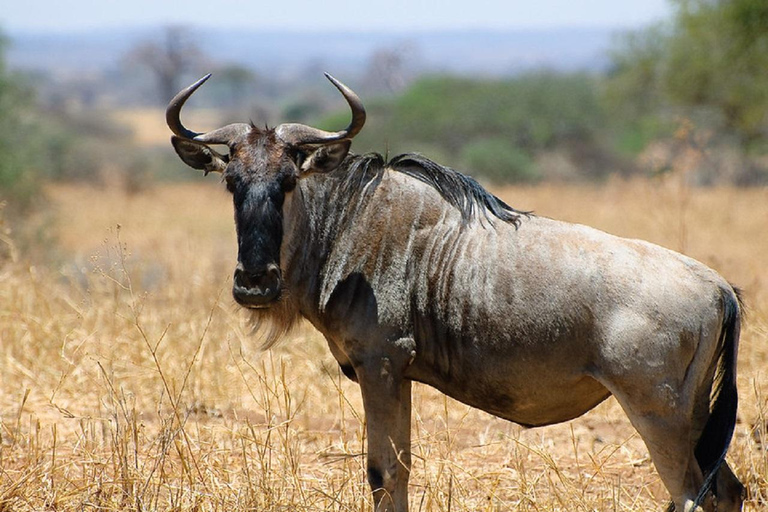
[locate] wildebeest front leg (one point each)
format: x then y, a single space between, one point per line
387 403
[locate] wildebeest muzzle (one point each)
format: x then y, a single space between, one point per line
257 289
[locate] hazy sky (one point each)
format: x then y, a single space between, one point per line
69 15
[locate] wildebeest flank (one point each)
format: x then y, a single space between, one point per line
413 272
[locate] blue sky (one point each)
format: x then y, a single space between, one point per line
321 15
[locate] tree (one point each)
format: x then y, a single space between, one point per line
237 85
17 136
711 59
168 60
720 54
494 129
390 70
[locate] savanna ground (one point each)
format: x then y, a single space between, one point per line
129 379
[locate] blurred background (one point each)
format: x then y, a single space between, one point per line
506 91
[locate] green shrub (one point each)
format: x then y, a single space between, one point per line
498 161
492 128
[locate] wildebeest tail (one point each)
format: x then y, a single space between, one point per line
714 441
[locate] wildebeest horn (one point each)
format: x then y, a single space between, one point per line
219 136
297 134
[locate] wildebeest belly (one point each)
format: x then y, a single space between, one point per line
533 406
528 396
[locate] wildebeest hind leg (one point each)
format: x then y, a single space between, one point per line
667 433
730 491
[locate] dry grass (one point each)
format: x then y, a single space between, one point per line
129 380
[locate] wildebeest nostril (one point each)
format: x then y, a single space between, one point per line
273 271
246 279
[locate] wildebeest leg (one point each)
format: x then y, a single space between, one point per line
679 469
387 403
730 491
669 421
666 425
668 441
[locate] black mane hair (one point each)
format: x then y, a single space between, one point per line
363 173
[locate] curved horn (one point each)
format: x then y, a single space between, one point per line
220 136
173 110
297 134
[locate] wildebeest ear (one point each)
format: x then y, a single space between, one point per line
325 158
198 155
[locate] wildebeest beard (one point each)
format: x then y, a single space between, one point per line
272 324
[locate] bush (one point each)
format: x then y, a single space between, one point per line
16 173
534 112
498 161
491 127
30 144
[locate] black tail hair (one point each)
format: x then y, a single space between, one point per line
718 431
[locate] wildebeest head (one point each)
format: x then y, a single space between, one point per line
260 167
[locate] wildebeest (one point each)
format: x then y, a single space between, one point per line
413 272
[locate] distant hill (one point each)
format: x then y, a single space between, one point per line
490 53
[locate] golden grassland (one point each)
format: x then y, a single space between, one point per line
129 380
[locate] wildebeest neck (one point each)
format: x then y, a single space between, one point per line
337 226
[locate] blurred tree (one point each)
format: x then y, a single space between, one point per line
168 60
390 70
719 54
498 161
238 85
492 128
533 112
19 166
711 62
636 74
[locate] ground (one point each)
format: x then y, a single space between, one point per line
130 379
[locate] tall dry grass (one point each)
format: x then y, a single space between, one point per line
129 380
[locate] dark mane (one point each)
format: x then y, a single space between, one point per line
363 173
